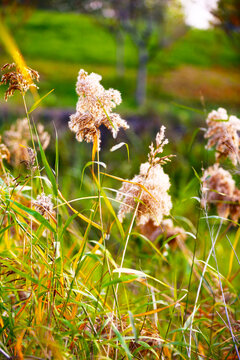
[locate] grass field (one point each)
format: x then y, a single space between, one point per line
56 41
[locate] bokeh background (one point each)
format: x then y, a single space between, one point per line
144 48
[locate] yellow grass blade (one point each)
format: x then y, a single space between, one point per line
130 182
87 261
141 274
154 311
36 104
18 347
90 222
109 205
232 253
94 148
151 244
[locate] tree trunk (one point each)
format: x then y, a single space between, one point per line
142 75
120 53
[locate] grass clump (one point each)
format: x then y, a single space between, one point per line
80 280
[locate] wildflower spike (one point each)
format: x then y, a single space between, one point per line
156 203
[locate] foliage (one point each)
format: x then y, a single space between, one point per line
55 36
227 16
44 35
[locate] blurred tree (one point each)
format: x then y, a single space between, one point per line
18 11
227 15
109 20
151 24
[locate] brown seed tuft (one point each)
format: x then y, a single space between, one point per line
222 132
167 229
4 152
149 188
30 160
44 205
20 79
219 188
18 137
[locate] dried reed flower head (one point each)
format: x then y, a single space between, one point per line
18 137
20 79
94 108
220 189
235 205
223 133
177 232
30 161
150 188
153 157
4 152
167 229
44 205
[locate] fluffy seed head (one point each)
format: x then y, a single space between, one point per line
155 151
31 159
150 188
222 133
18 137
94 108
4 152
155 202
220 189
44 205
167 229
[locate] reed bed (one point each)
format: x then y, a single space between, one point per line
115 273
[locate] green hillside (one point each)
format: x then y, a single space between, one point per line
59 44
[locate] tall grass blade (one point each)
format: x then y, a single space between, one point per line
36 104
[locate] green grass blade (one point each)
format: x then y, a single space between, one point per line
35 105
36 215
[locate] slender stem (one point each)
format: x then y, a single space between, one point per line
101 220
31 203
127 240
130 229
32 138
235 341
199 288
125 249
99 187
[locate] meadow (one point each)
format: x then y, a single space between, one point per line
50 41
118 247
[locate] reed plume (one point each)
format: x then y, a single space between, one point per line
94 108
19 80
44 205
4 152
222 133
165 229
150 188
18 137
219 188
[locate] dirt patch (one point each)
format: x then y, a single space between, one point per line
214 85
